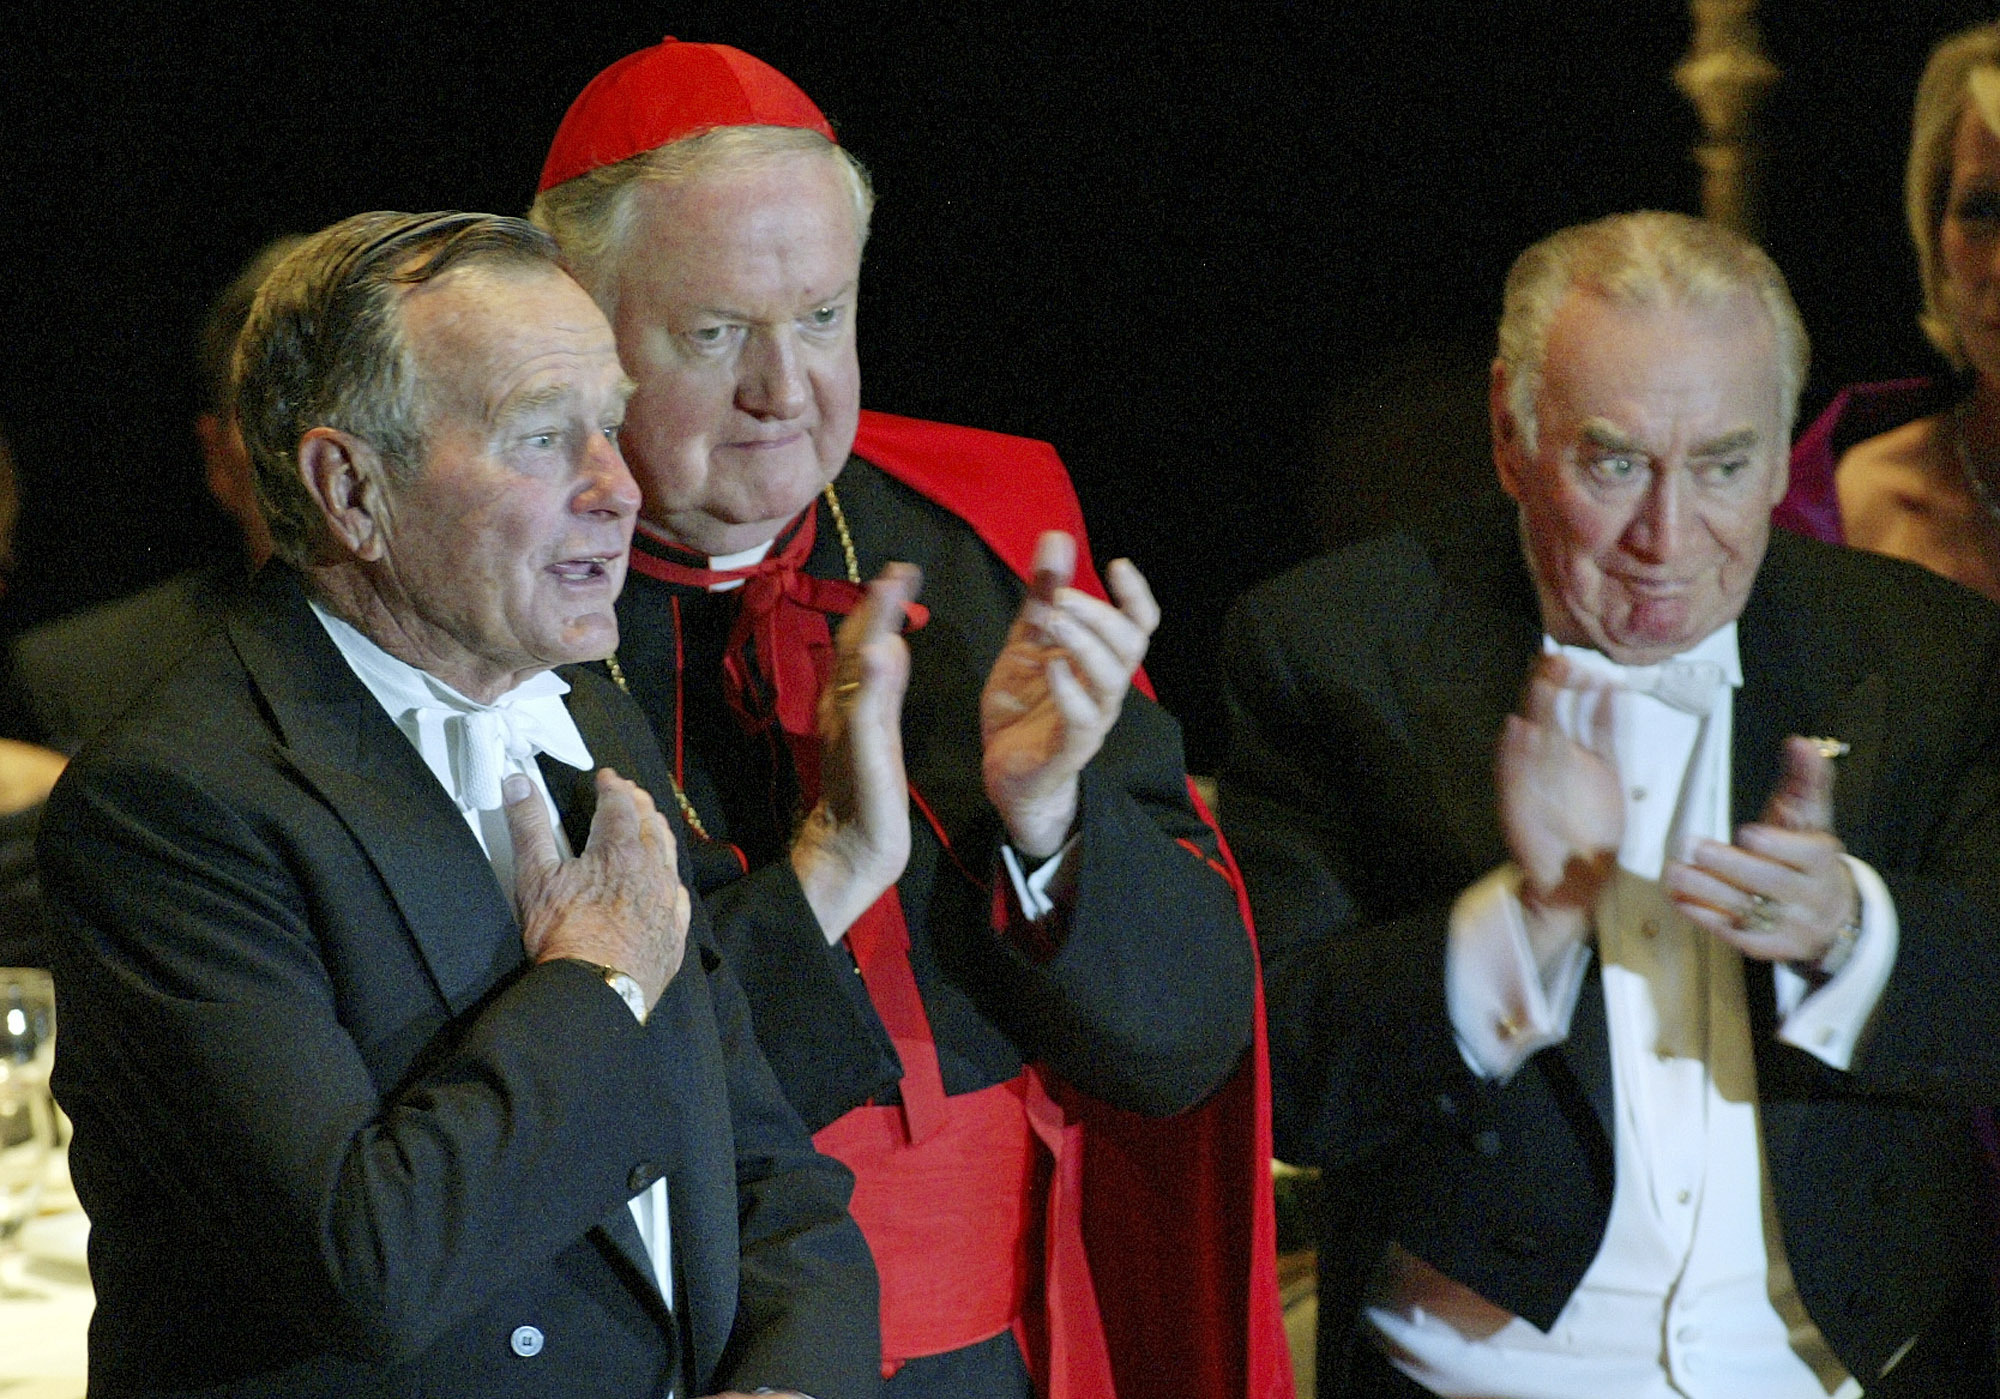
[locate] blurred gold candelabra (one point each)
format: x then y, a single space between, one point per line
1725 75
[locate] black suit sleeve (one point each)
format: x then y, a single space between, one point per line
1150 958
1352 894
824 1040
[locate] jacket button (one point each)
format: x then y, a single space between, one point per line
526 1340
1447 1105
1487 1143
642 1176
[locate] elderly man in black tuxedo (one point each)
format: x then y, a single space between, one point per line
378 1089
1617 1095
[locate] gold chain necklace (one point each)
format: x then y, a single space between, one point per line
618 672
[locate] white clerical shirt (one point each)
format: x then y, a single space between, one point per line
1690 1296
472 748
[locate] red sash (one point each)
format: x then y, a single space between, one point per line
948 1219
952 1193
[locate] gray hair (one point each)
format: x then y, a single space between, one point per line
1963 72
1647 259
591 217
324 346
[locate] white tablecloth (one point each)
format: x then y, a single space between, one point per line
42 1336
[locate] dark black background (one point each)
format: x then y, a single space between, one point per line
1238 261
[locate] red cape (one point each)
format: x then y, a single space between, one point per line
1178 1216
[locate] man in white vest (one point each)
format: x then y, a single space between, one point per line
1638 1019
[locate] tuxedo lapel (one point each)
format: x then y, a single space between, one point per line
1858 719
343 745
1802 674
1457 721
575 794
1461 676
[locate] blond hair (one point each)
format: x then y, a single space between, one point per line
1963 72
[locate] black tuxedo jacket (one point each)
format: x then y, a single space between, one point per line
1367 691
336 1137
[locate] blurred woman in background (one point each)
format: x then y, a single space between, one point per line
1911 468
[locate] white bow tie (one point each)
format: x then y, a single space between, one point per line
487 743
1689 686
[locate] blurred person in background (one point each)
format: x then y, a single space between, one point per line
1911 467
73 675
27 771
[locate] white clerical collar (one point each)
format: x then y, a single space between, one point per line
719 563
1718 648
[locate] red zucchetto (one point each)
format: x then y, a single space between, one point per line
668 91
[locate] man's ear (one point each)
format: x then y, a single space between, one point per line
1508 445
343 475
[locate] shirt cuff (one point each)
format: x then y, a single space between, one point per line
1501 1012
1827 1023
1031 891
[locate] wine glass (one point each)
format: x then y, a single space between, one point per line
27 1112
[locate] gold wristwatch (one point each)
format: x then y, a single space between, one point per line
625 984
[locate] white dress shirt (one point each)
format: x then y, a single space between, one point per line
472 748
1690 1293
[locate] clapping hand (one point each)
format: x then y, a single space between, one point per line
856 840
1057 689
1781 893
1561 809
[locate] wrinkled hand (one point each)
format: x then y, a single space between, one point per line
620 903
1056 690
1561 809
856 841
1790 858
